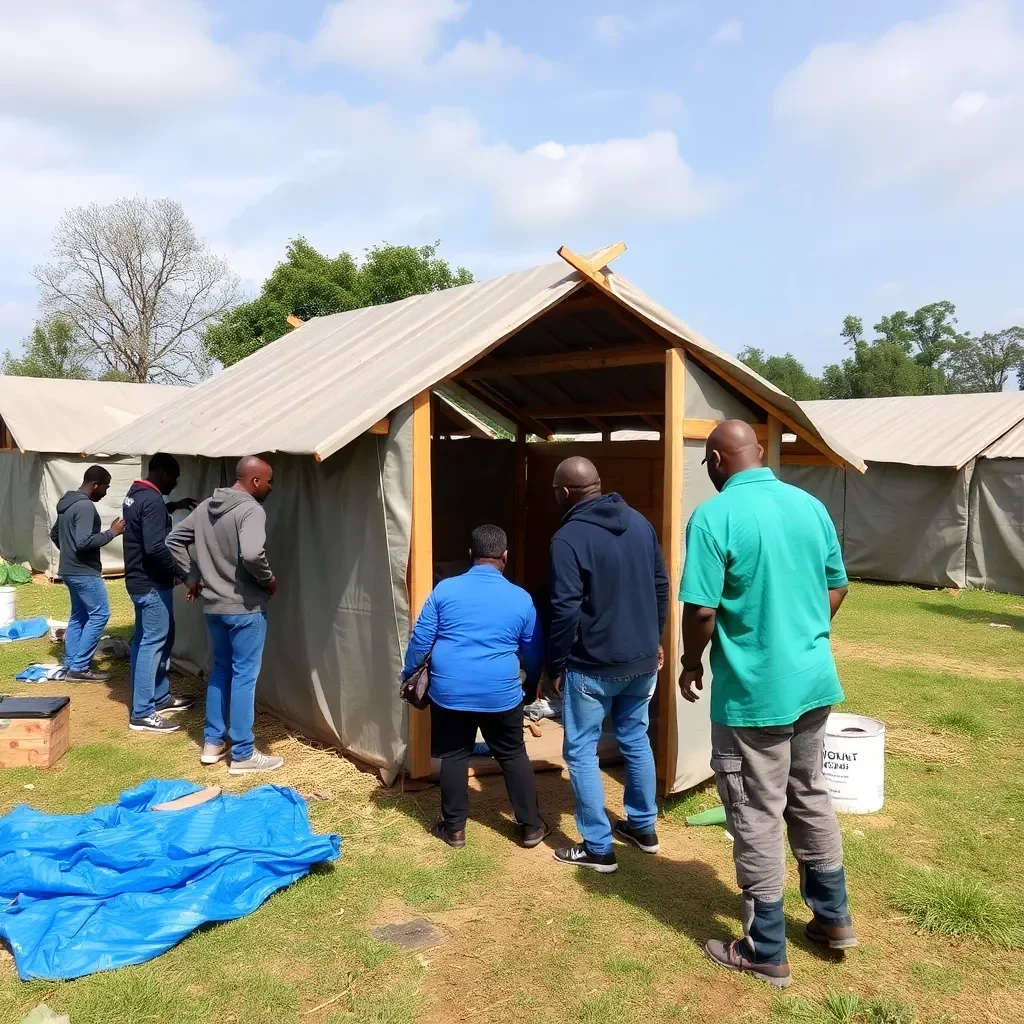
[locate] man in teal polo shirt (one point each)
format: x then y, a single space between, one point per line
763 578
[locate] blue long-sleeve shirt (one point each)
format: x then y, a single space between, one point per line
475 628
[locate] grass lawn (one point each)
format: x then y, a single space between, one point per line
935 878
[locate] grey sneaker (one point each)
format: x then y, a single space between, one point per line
213 753
259 762
152 723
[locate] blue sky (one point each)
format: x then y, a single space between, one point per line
771 166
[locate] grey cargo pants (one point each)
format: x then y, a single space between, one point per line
767 777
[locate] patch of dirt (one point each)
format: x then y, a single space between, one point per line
926 746
879 654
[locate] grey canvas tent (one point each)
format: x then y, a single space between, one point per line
45 425
371 502
943 497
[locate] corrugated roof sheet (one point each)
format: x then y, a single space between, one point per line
46 415
926 430
1009 446
321 386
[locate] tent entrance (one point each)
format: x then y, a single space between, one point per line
508 484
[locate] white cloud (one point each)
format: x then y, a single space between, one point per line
936 104
121 59
729 32
613 28
403 39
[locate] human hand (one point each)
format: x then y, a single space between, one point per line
192 590
661 657
186 503
556 685
117 527
691 682
272 586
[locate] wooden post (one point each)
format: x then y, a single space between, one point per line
521 512
672 547
421 565
773 449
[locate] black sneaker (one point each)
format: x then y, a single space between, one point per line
533 838
455 839
87 676
152 723
579 857
646 841
172 704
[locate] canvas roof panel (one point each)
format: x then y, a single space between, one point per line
321 386
47 415
925 430
1009 446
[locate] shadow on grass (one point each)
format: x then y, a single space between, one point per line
975 616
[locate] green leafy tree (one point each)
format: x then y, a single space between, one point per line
786 372
309 284
53 349
986 363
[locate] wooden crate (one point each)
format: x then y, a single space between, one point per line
38 742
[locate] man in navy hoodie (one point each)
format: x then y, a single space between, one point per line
609 604
150 575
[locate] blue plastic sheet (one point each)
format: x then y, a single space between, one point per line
123 884
24 629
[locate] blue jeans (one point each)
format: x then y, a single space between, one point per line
90 613
237 642
587 701
151 650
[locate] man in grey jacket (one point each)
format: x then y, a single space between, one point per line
220 549
78 536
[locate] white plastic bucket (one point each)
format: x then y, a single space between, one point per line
6 605
854 750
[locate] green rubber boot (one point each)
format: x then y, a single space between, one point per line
712 816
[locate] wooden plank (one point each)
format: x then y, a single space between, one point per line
294 321
381 427
421 564
672 547
700 430
517 416
586 410
773 447
604 256
521 511
797 459
565 362
584 268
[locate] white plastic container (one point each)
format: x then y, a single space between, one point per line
855 763
6 606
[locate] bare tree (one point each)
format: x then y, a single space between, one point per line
138 286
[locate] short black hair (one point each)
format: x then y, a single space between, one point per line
488 542
164 463
96 475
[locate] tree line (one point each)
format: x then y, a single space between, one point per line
920 353
131 293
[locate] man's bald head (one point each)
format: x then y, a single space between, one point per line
732 447
254 475
576 480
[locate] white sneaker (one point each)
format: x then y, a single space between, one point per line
213 753
259 762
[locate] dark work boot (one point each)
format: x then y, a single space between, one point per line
825 893
454 838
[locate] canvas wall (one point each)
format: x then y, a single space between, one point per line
338 540
995 541
31 484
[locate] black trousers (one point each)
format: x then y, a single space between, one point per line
452 738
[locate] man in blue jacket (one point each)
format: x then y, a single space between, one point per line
78 536
150 575
609 604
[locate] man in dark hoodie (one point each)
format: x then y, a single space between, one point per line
78 535
150 575
230 572
609 604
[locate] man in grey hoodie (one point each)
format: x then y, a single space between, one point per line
227 568
78 536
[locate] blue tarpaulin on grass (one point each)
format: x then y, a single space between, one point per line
24 629
122 884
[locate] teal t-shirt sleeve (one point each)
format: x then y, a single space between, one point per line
835 571
704 569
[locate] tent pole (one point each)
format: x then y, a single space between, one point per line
672 547
421 564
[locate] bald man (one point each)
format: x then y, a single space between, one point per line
763 578
230 573
609 603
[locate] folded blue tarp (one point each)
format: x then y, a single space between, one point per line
24 629
123 884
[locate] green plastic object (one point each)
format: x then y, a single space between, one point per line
712 816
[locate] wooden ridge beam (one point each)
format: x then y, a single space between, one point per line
565 362
700 430
814 459
588 410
